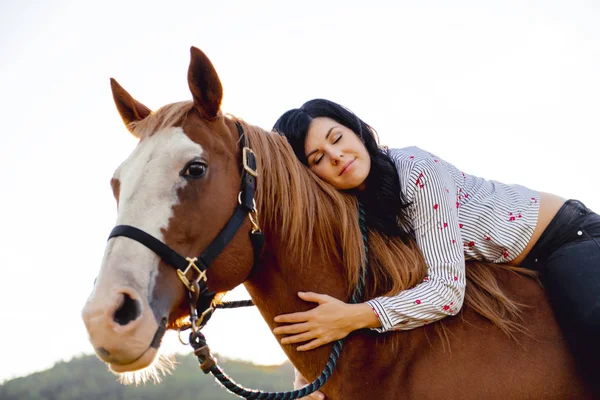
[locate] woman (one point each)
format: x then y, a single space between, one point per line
453 217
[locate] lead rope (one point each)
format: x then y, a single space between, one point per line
209 365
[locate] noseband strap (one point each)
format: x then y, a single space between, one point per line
167 254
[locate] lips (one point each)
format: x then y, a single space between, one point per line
346 166
144 360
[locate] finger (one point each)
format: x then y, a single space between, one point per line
316 396
311 345
303 337
293 317
314 297
290 329
300 382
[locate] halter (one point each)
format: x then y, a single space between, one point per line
192 270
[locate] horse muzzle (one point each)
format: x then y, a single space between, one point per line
122 328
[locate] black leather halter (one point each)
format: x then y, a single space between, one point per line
192 271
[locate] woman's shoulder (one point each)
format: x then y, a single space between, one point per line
408 156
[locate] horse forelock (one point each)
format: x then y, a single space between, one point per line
166 117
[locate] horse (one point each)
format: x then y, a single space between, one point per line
181 185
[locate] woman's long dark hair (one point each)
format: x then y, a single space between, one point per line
382 199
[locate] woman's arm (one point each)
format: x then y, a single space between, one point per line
434 216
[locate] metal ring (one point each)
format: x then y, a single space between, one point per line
179 337
253 202
193 317
255 226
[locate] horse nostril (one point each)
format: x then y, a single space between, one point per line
129 311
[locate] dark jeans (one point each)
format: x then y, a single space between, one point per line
567 256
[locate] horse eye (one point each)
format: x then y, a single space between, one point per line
194 170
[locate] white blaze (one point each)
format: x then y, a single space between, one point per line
149 182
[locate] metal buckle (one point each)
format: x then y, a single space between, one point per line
253 214
200 322
184 278
246 153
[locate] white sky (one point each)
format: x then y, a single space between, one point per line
506 90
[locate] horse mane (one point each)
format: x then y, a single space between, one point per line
317 217
318 220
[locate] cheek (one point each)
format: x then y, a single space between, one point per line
368 164
324 173
169 295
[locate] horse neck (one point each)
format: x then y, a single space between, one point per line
279 275
274 287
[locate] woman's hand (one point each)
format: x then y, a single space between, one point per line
331 320
300 382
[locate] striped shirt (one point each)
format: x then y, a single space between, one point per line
454 217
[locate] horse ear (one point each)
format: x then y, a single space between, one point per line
130 109
205 84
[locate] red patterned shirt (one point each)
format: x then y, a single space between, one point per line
454 217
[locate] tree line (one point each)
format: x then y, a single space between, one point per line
86 377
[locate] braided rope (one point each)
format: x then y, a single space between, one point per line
198 341
358 291
235 304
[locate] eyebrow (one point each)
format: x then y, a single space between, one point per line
326 137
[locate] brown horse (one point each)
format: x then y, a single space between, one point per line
181 185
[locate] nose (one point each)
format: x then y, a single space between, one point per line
335 157
129 310
120 324
119 310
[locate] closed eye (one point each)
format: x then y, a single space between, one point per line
318 158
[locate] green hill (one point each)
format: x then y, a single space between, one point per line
86 377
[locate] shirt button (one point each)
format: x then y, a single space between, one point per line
579 233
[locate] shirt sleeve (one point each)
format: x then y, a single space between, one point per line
434 216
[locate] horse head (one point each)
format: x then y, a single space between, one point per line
180 186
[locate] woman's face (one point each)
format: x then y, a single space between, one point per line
336 154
